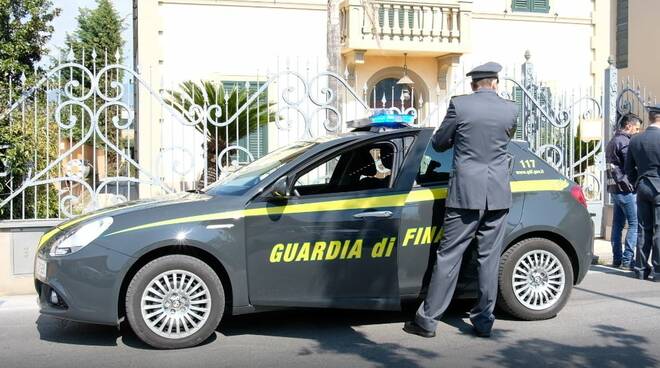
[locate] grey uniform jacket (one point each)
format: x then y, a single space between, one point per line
643 159
479 127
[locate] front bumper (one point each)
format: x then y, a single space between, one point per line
87 284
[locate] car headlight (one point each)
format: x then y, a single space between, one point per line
79 238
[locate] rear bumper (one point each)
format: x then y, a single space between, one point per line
585 254
86 283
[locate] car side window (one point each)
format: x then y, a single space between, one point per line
435 167
362 168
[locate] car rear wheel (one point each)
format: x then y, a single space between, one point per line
535 280
175 302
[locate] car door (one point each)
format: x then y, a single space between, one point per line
422 218
332 243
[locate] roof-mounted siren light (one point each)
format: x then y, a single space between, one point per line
382 119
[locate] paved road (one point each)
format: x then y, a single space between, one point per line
611 320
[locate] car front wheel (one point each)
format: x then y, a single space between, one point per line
175 302
535 280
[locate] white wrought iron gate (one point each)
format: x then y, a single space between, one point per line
73 139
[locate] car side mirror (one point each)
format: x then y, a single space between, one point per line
280 190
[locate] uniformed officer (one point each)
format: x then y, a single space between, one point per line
479 126
643 169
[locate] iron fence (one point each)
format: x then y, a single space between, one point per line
74 138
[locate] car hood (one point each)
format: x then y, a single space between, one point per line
126 207
141 204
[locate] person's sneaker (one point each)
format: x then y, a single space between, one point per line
642 276
626 266
616 264
413 328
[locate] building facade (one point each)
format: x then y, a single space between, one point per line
634 31
434 43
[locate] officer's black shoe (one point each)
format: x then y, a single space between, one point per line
481 333
616 264
656 277
413 328
642 276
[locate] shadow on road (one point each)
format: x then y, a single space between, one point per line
334 332
75 333
622 349
68 332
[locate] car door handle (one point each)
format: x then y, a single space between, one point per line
376 214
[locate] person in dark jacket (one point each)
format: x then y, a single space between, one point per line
643 169
622 192
479 127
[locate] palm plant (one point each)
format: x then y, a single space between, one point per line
209 104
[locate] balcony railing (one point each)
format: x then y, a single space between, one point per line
429 27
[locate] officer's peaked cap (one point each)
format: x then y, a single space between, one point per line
488 70
654 108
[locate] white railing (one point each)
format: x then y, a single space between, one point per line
423 26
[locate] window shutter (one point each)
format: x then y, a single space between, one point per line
518 98
540 6
622 34
255 141
521 5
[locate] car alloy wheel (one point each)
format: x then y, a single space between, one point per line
538 279
175 301
176 304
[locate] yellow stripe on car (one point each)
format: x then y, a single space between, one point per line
57 229
396 200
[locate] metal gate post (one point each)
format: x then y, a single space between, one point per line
611 93
528 82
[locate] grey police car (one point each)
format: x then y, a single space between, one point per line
346 221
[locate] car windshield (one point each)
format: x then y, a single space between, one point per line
252 174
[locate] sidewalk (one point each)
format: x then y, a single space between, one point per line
18 302
603 250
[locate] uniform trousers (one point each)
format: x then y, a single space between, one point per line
462 227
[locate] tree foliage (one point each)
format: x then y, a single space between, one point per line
98 32
25 28
25 152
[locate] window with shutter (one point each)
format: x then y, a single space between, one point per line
518 98
256 141
544 98
622 34
536 6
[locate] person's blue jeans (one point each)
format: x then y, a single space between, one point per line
625 210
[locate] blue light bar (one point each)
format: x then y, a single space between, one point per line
384 116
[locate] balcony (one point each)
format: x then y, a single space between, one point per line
424 27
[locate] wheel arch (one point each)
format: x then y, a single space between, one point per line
560 240
192 251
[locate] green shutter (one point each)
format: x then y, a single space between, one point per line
255 141
540 6
518 98
521 5
536 6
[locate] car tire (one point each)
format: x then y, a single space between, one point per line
535 279
175 302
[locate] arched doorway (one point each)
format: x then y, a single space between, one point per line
384 92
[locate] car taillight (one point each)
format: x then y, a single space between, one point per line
576 192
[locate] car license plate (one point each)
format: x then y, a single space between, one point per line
40 268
